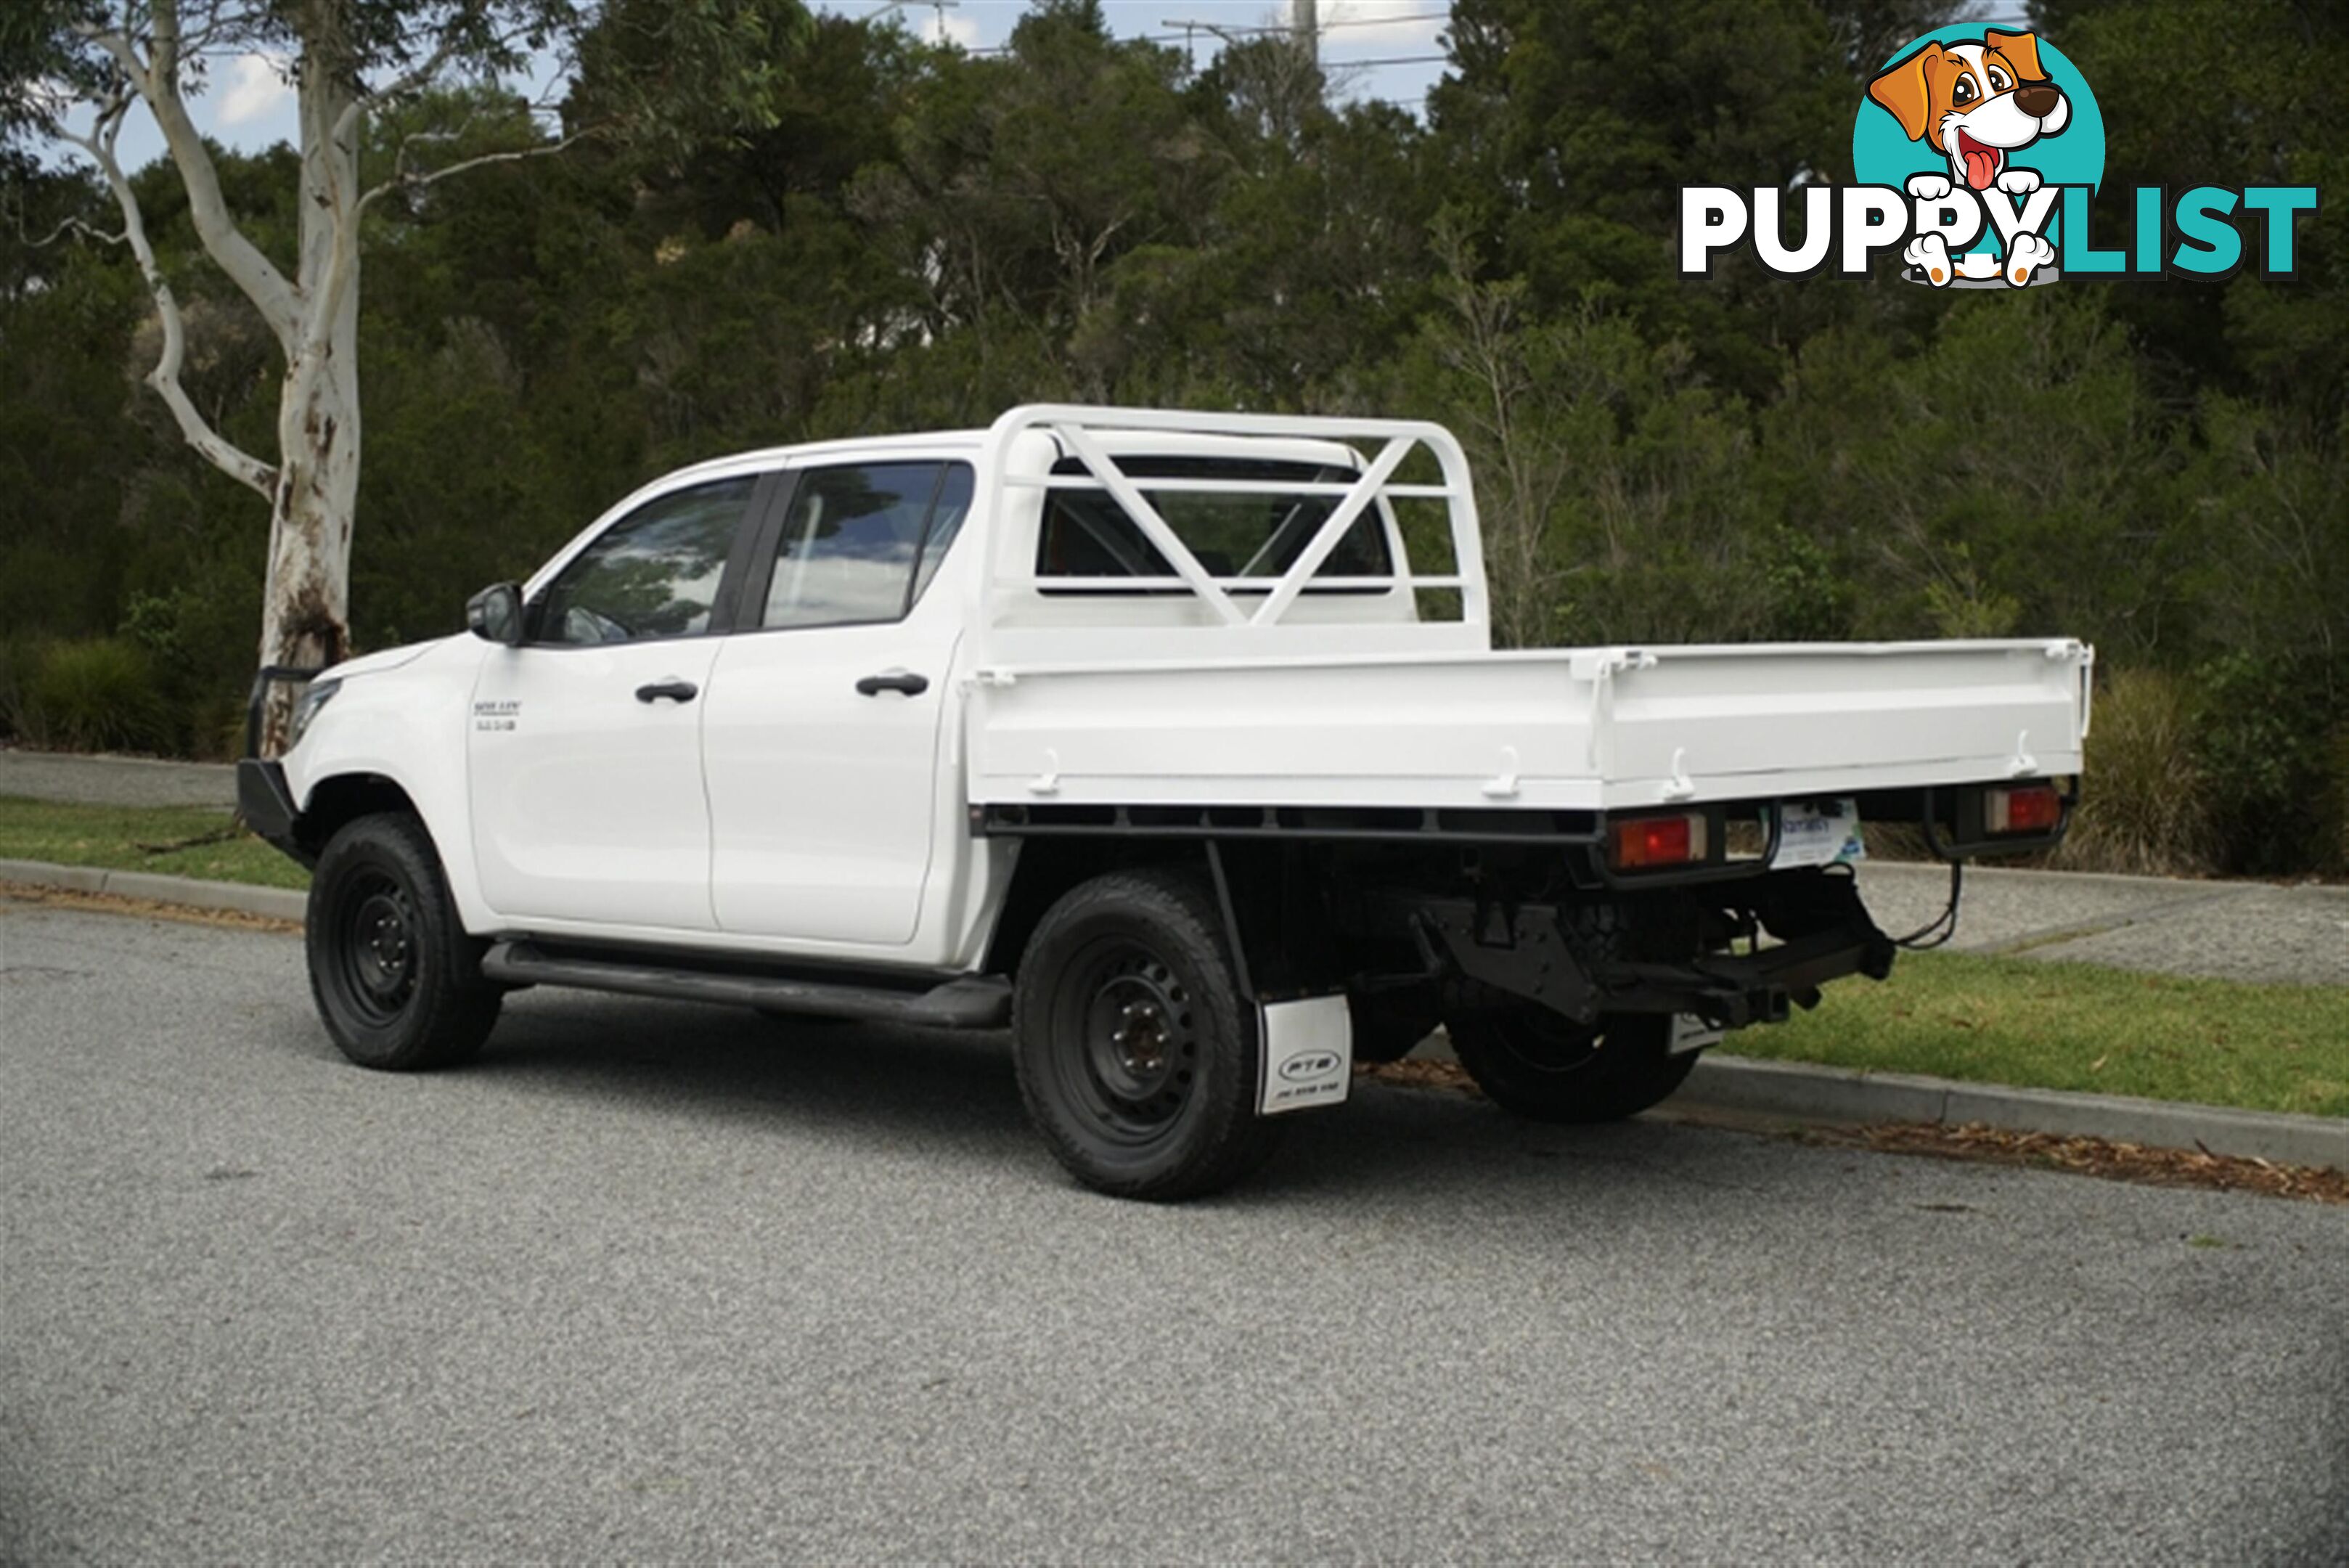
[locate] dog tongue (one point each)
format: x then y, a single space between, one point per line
1981 166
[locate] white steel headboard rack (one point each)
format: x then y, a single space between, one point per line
1079 430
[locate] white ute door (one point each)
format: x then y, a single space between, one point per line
822 732
585 745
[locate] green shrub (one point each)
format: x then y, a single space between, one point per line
2265 730
198 639
97 694
16 662
2146 805
2333 811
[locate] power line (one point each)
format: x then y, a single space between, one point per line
1192 26
1324 26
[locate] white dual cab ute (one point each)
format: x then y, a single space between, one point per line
1177 741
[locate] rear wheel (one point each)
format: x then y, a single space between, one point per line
1539 1065
397 981
1136 1052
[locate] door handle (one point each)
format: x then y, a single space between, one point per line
912 685
676 690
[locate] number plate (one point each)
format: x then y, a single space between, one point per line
1819 833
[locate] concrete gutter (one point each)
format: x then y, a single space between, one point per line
1741 1088
1800 1092
188 892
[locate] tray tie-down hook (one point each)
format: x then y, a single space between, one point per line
1503 785
1048 781
1679 787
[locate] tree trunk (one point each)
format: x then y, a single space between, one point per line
305 601
305 605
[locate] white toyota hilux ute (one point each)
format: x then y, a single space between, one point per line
1176 741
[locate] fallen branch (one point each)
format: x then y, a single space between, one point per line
232 831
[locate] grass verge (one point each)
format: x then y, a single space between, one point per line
175 840
2046 1025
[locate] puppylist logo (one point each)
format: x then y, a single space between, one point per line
1979 154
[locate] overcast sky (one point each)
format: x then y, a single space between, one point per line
248 105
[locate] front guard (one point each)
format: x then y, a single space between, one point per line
262 798
267 806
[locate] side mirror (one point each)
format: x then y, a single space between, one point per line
494 614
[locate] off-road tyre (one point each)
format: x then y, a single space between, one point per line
397 981
1535 1064
1137 1054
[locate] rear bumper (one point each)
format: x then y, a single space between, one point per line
1738 990
1541 953
267 806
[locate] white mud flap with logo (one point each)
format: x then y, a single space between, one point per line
1309 1054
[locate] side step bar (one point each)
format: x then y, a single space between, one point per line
971 1002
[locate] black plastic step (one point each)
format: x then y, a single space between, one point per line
968 1002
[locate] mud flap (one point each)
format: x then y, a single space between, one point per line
1309 1054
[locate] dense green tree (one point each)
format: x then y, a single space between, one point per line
2216 92
1572 125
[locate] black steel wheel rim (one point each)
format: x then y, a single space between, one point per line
1129 1045
376 956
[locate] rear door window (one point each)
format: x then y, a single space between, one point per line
860 540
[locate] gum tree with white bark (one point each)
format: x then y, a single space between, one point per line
76 70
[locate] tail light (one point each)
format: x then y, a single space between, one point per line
1636 842
2027 808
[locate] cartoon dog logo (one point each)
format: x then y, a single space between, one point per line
1976 104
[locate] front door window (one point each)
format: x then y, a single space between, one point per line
654 574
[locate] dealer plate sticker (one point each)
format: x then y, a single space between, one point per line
1819 833
1309 1054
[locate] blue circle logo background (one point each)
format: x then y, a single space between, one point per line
1882 155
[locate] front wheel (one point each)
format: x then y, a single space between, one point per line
1536 1063
1136 1052
396 978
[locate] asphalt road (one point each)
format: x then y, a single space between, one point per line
670 1283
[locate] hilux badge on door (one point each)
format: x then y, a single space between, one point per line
502 713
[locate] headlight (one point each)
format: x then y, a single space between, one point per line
314 696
